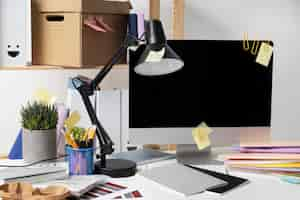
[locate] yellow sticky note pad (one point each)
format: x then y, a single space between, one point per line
44 96
201 136
265 54
155 56
72 120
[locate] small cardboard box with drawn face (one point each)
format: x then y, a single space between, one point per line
15 33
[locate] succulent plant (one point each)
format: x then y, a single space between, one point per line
39 116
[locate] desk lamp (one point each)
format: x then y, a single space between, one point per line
157 59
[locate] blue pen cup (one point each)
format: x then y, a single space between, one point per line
81 161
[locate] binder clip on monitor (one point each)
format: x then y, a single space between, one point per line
157 59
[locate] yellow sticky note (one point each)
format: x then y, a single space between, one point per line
72 120
44 96
201 136
155 56
265 54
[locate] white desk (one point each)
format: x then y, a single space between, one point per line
260 187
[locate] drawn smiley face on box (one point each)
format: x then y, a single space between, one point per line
13 50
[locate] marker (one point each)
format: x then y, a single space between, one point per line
70 140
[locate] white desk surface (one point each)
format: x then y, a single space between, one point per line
260 187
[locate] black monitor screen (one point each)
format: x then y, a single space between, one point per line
220 84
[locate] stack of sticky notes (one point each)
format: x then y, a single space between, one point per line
274 157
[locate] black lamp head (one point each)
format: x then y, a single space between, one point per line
155 35
157 58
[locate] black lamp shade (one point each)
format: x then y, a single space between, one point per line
155 35
168 61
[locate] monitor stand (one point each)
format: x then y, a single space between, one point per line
190 155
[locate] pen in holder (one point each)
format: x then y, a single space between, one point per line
81 160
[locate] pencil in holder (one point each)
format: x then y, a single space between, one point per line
81 161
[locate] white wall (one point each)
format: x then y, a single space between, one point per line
278 20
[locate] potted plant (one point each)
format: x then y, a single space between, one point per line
39 131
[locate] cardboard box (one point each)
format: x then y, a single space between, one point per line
60 36
15 34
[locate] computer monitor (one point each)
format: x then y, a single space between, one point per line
220 84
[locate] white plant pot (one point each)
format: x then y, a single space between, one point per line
38 145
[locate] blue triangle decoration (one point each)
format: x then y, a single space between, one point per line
16 151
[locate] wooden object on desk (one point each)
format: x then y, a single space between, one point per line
27 191
178 19
2 157
154 9
152 146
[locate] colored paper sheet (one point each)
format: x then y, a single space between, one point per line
271 144
106 191
265 54
72 120
262 156
294 170
274 165
201 136
267 150
285 165
258 162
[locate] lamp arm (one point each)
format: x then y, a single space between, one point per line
86 89
108 67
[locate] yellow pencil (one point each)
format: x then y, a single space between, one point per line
92 133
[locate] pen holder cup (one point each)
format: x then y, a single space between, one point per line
81 161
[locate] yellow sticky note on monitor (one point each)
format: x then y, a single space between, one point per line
201 136
44 96
265 54
72 120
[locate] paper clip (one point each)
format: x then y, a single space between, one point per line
246 45
255 46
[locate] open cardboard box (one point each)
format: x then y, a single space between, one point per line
61 36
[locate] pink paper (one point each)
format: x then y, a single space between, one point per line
262 156
62 116
267 150
141 24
